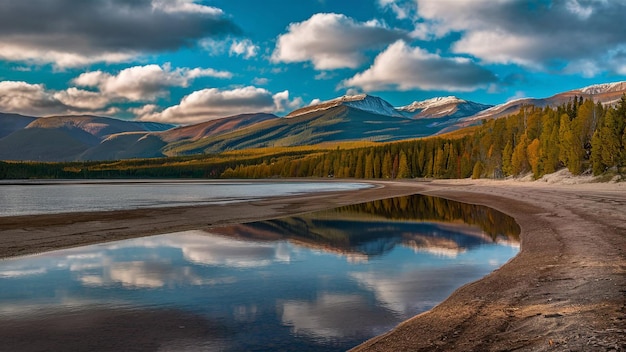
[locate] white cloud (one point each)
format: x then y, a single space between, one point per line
72 34
244 48
404 68
185 6
315 101
332 41
232 46
260 81
144 83
552 36
403 9
30 99
33 54
282 102
139 83
213 103
82 99
35 99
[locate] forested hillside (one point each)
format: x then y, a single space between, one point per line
579 135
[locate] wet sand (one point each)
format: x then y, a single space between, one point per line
566 290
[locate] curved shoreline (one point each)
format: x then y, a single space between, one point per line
565 290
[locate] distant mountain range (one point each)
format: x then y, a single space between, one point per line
347 118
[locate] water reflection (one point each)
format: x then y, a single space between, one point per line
319 281
424 223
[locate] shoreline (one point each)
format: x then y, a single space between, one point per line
565 290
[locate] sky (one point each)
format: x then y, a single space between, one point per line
189 61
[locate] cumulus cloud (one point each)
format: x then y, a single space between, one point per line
34 99
244 48
72 33
541 36
405 68
144 83
134 84
332 41
213 103
283 103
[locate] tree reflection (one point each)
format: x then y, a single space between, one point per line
421 222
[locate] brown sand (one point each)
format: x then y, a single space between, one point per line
566 290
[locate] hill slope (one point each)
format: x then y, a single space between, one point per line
10 123
607 93
348 118
64 138
336 123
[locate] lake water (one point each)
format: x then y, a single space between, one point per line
322 281
39 197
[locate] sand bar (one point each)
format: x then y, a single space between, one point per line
566 290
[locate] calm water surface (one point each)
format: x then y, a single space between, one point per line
60 197
323 281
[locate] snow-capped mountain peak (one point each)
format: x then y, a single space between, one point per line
604 88
439 107
372 104
430 103
363 102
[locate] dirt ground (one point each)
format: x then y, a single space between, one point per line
566 290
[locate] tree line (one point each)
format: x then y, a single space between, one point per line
580 135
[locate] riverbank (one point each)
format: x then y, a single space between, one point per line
564 291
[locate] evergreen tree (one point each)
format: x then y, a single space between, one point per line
386 166
369 166
519 159
507 154
478 170
533 156
403 166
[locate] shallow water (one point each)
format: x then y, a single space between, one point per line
30 198
322 281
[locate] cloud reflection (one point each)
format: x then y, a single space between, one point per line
417 290
334 315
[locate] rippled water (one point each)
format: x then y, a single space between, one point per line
61 197
320 282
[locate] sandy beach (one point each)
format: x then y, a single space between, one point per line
566 290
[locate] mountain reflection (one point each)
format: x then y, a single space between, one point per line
423 223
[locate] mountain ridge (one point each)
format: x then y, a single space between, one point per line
347 118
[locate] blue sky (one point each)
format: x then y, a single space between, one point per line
186 61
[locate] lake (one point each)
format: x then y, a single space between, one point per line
48 197
323 281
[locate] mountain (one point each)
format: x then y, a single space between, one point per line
607 93
214 127
10 123
63 138
451 107
347 118
364 102
317 125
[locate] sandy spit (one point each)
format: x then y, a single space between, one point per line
566 290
